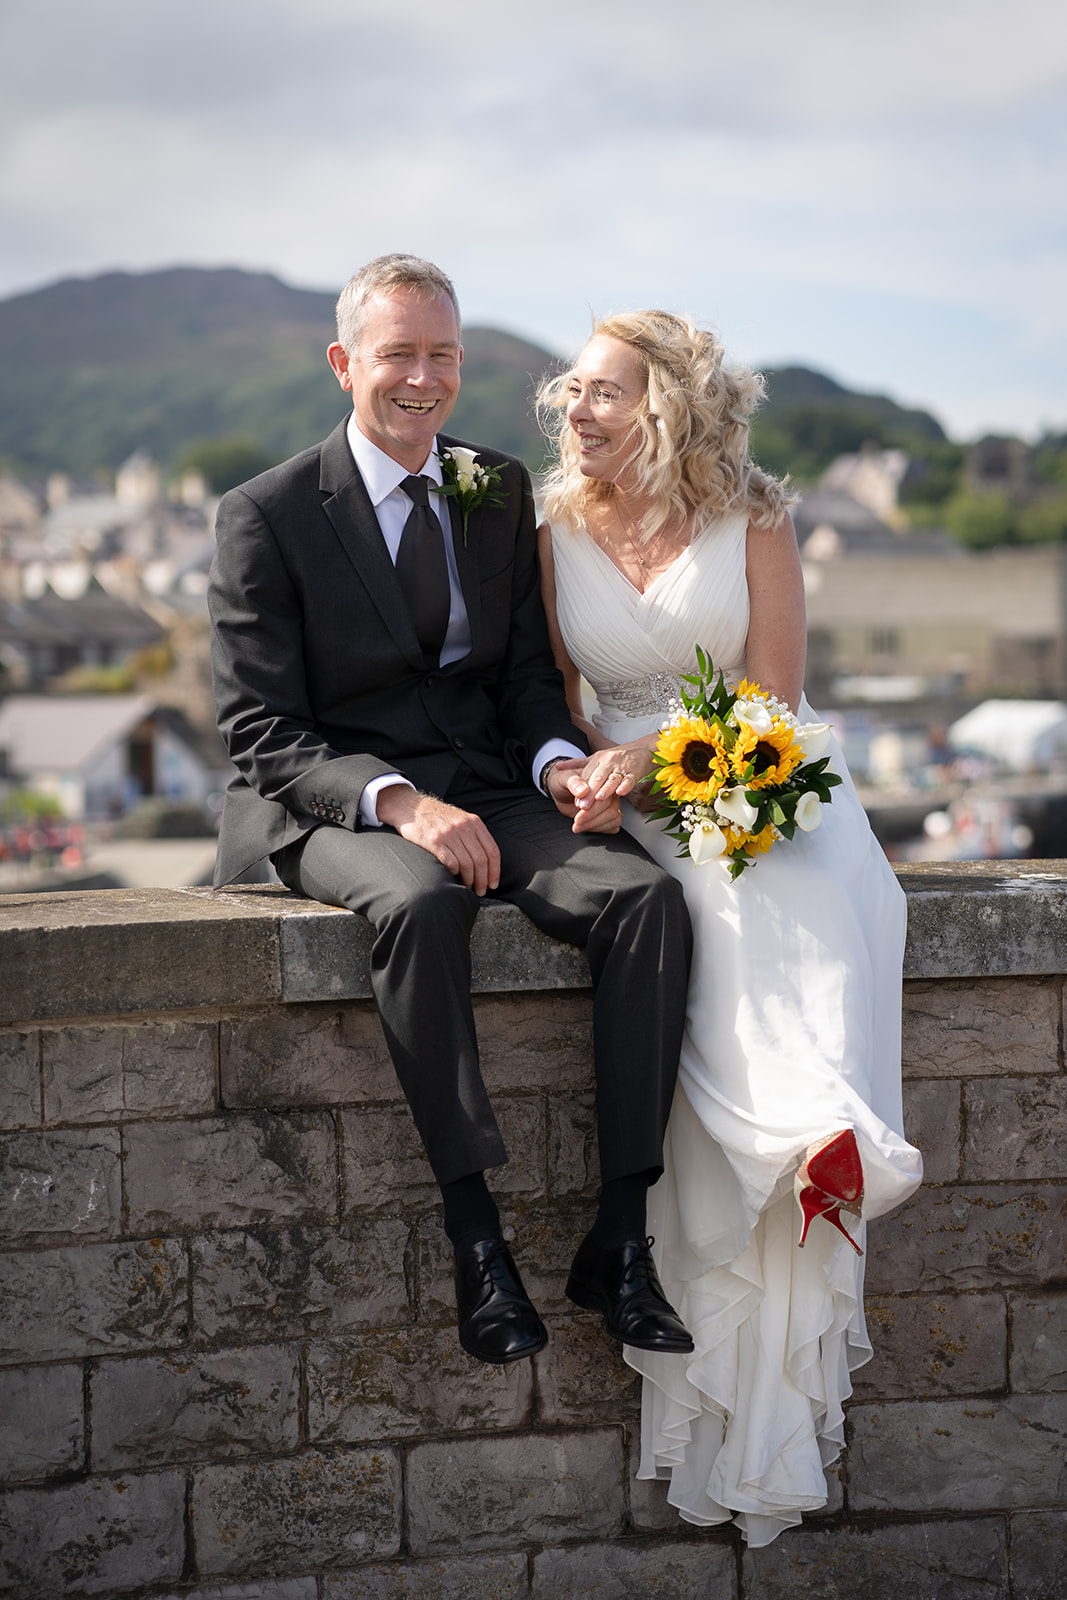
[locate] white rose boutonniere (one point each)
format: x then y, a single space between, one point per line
472 484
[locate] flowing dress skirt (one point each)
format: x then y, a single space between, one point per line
793 1032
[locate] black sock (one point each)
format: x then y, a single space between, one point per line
620 1213
470 1211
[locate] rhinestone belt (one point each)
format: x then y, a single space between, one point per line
642 697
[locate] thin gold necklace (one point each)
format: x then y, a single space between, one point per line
646 569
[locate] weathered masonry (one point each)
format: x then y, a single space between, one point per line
229 1366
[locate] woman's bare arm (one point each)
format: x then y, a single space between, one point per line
777 628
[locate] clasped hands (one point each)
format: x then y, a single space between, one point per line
586 789
607 776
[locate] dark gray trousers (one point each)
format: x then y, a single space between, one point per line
599 892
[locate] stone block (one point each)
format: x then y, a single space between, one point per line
1039 1555
499 1577
82 1073
383 1161
305 1055
542 1242
835 1493
230 1172
325 952
692 1571
932 1121
113 952
509 953
158 1410
982 919
1039 1343
650 1510
573 1157
61 1304
933 1345
293 1282
96 1538
959 1455
42 1433
981 1237
316 1509
987 1027
926 1560
1016 1129
485 1494
385 1164
60 1183
582 1377
266 1589
536 1041
524 1175
395 1385
20 1081
164 1068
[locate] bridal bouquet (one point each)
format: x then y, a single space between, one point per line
735 772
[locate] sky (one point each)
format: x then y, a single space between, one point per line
875 188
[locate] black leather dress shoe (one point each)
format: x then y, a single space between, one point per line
497 1323
622 1282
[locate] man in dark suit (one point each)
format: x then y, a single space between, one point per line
386 690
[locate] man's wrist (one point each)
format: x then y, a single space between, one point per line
542 776
368 803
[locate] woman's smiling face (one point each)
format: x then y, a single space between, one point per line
604 394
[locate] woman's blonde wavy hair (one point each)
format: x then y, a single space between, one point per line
690 431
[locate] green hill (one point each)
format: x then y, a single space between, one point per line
809 419
92 369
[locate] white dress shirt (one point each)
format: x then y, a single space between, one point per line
383 477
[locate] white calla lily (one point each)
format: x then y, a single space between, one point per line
706 843
464 461
814 739
755 714
732 804
808 813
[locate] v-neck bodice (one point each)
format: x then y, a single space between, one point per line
616 634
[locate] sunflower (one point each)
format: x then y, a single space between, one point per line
693 761
756 844
760 843
772 756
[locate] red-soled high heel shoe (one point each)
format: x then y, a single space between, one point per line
830 1181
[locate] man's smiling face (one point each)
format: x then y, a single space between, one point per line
404 377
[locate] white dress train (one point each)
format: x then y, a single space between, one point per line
793 1031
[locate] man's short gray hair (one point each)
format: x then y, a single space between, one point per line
382 276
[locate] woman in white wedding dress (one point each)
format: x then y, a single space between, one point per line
661 536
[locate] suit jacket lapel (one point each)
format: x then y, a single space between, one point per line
349 509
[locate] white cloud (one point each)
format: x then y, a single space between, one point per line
754 164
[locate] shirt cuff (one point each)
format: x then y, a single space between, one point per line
368 800
554 749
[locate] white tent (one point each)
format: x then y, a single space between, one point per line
1023 735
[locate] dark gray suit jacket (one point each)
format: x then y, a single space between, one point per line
319 681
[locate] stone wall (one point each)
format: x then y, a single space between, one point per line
229 1367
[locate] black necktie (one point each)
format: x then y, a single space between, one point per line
423 570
